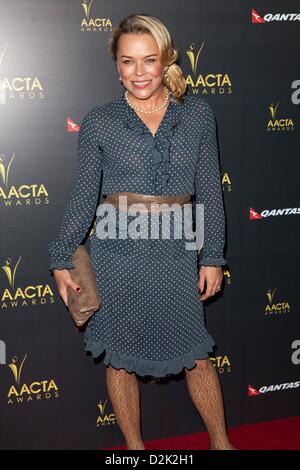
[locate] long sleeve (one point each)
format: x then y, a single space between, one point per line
83 196
209 193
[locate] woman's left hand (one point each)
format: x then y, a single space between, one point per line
213 276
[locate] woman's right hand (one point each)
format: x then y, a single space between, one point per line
63 281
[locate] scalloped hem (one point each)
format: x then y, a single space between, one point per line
144 367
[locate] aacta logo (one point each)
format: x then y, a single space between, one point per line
227 276
211 83
226 182
23 392
105 419
93 24
254 215
25 194
276 307
256 18
18 88
25 296
278 124
271 388
221 363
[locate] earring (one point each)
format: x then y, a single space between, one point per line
120 78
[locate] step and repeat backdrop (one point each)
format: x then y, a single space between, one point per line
243 58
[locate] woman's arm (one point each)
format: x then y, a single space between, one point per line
209 193
83 197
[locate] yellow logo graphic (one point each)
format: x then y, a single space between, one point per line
222 364
211 83
11 273
193 59
227 276
5 171
278 124
105 419
226 182
93 24
276 307
273 110
27 194
14 368
21 88
28 295
22 392
87 8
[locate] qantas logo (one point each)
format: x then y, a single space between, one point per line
271 388
254 215
256 18
72 126
252 391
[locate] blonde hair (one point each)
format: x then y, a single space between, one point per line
146 24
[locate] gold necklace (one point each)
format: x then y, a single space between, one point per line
166 90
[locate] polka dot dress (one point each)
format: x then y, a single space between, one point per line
151 320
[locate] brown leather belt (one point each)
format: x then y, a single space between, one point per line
145 202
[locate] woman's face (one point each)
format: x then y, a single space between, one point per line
139 65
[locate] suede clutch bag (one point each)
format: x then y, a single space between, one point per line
82 305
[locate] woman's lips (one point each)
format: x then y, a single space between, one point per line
141 84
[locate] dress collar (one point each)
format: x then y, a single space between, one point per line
161 141
170 120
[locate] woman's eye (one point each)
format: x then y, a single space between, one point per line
126 61
151 60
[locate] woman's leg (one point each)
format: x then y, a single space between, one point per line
205 391
124 394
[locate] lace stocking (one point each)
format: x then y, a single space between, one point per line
124 394
205 391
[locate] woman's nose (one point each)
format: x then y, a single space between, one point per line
139 69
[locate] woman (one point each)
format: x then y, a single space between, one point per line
153 143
